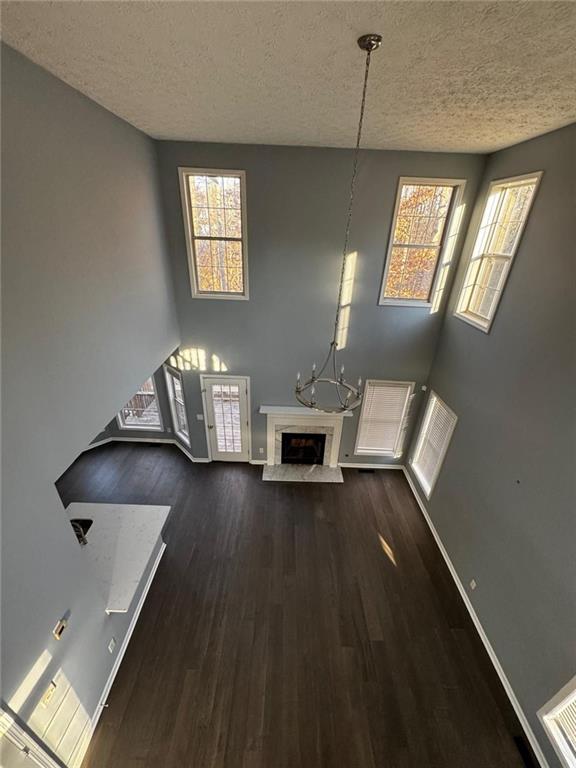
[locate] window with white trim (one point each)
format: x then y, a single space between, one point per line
421 229
383 418
559 719
177 404
214 210
142 410
432 443
503 221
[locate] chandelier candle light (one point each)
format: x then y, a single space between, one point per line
348 396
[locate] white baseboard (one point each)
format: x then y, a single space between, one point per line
165 440
126 640
479 628
258 461
358 465
97 444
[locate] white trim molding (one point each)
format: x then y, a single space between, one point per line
283 419
444 247
127 637
483 254
205 379
479 628
358 465
165 440
184 173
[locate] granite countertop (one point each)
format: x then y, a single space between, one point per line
121 542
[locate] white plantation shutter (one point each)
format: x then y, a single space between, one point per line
560 722
382 420
435 433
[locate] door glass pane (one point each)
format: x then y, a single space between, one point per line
226 406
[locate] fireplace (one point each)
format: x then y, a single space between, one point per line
301 422
303 448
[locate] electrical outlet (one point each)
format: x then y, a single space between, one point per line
200 417
473 584
112 645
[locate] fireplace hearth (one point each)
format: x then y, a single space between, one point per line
303 448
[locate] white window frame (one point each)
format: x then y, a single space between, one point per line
398 445
169 372
547 715
420 439
461 312
184 173
142 427
447 235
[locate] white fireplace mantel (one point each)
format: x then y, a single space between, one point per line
282 418
298 410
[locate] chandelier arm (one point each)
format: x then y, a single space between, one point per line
352 190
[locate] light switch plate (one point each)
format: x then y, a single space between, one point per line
112 645
200 417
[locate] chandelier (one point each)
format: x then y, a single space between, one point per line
345 396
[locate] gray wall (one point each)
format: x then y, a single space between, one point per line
87 316
505 499
296 203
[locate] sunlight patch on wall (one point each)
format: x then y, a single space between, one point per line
196 359
30 681
346 300
61 721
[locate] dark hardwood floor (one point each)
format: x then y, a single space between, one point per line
292 626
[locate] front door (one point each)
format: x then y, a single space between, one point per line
226 412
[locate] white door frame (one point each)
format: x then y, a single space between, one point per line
246 380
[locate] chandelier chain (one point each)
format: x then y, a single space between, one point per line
348 396
352 190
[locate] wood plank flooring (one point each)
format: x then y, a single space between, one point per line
292 626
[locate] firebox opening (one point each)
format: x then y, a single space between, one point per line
303 448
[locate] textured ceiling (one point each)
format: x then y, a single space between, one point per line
454 76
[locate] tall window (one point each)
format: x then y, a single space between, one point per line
503 220
383 417
177 405
419 232
214 211
142 411
433 441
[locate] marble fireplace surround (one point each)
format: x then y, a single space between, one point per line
293 418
